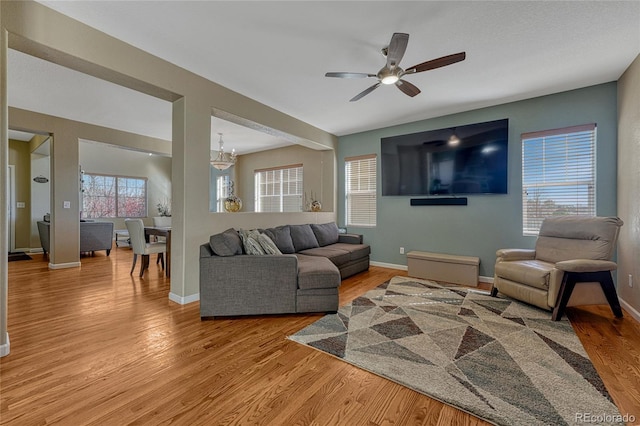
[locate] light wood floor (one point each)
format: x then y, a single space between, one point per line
94 345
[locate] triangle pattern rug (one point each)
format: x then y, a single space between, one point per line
496 358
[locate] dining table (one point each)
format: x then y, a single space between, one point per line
161 231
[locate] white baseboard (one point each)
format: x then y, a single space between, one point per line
632 311
389 265
64 265
6 348
184 300
36 250
483 279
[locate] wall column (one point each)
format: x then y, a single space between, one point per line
4 165
65 181
190 194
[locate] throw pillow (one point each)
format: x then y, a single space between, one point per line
326 233
250 242
227 243
268 245
281 235
303 237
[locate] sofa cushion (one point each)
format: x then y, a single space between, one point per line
317 272
326 233
356 251
250 242
534 273
268 245
335 255
227 243
303 237
281 236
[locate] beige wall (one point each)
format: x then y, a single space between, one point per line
40 192
64 174
629 185
105 159
194 99
316 165
20 157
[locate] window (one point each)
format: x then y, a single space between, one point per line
222 191
360 190
279 189
113 196
558 174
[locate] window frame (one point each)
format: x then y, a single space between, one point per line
371 207
282 197
573 180
116 196
222 191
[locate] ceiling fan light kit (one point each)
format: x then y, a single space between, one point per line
391 73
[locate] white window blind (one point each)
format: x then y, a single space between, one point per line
558 174
360 191
222 191
279 189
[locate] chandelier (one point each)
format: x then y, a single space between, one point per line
223 161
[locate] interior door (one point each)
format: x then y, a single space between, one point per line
10 207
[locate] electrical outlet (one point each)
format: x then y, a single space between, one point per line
66 204
401 250
630 280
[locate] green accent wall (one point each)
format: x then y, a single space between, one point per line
488 222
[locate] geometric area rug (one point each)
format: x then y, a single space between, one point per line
496 358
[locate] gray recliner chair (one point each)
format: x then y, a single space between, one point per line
570 250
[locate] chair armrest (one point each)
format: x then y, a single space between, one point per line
506 255
350 238
586 265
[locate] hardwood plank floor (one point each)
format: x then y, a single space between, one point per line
96 346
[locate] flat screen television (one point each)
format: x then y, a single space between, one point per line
462 160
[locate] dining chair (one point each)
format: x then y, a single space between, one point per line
161 222
140 246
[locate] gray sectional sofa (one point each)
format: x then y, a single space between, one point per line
301 273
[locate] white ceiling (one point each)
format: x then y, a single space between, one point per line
277 53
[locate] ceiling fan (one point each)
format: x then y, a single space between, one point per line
391 73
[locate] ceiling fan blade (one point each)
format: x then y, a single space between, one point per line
349 74
365 92
407 88
396 49
437 63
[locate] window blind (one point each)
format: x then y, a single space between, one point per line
222 190
360 190
279 189
558 174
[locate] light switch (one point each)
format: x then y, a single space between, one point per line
20 204
66 204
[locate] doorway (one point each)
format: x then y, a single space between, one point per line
11 206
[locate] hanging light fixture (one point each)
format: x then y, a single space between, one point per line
454 140
223 160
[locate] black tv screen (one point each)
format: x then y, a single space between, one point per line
462 160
